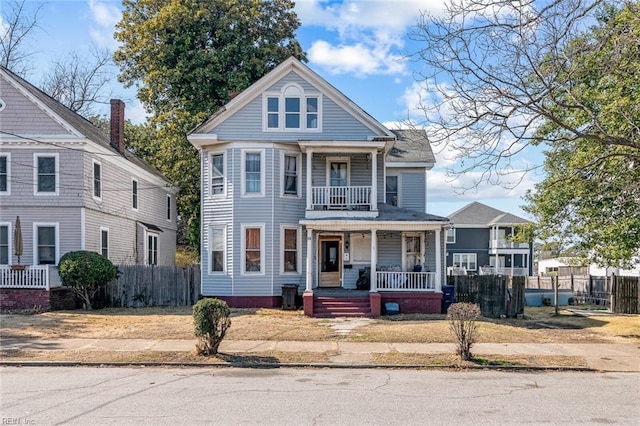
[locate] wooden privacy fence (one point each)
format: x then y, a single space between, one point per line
497 295
625 297
143 285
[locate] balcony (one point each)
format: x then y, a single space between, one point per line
502 246
349 201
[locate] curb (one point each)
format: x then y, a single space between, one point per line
293 365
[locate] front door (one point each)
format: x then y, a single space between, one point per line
330 262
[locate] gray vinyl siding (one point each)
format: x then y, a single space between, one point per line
122 247
67 218
336 122
470 240
389 248
18 107
412 187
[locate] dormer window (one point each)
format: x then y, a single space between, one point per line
292 110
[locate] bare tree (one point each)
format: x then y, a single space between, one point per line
80 82
495 71
17 23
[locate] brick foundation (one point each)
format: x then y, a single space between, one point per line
24 298
429 303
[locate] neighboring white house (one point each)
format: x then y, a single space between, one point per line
568 265
74 187
300 186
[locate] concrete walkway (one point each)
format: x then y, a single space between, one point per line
602 357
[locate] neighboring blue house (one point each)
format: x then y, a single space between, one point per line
300 186
478 243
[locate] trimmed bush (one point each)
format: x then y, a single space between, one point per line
462 322
86 272
211 321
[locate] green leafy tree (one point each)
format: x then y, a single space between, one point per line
86 272
503 77
591 192
185 57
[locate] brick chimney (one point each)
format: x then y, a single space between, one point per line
117 125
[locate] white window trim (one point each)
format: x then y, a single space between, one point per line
93 179
475 256
103 229
7 155
399 189
283 155
421 257
135 209
224 176
37 225
35 174
338 160
453 230
298 249
9 242
243 167
243 243
281 95
148 233
169 208
224 245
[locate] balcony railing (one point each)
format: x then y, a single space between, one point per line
406 281
505 244
515 271
32 276
341 198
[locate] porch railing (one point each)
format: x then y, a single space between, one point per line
341 197
31 276
406 281
515 271
506 244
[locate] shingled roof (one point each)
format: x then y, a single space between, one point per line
476 213
412 145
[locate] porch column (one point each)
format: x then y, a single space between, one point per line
438 261
374 260
309 259
511 264
374 180
309 159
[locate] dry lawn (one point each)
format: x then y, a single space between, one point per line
539 326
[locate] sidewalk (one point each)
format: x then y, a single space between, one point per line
602 357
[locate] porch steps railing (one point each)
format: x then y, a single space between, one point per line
330 307
31 276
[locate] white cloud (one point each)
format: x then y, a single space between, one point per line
105 16
136 112
370 33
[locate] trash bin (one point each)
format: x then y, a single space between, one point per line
289 295
448 297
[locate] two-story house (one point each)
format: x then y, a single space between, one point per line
479 243
75 187
301 187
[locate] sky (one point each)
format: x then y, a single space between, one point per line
359 46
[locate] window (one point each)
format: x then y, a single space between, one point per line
253 172
152 249
4 244
290 173
292 109
217 174
252 247
290 249
339 173
97 180
391 190
465 260
169 208
104 242
4 173
217 244
46 247
46 170
413 244
134 194
451 235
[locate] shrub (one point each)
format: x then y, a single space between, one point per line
86 272
211 321
462 322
